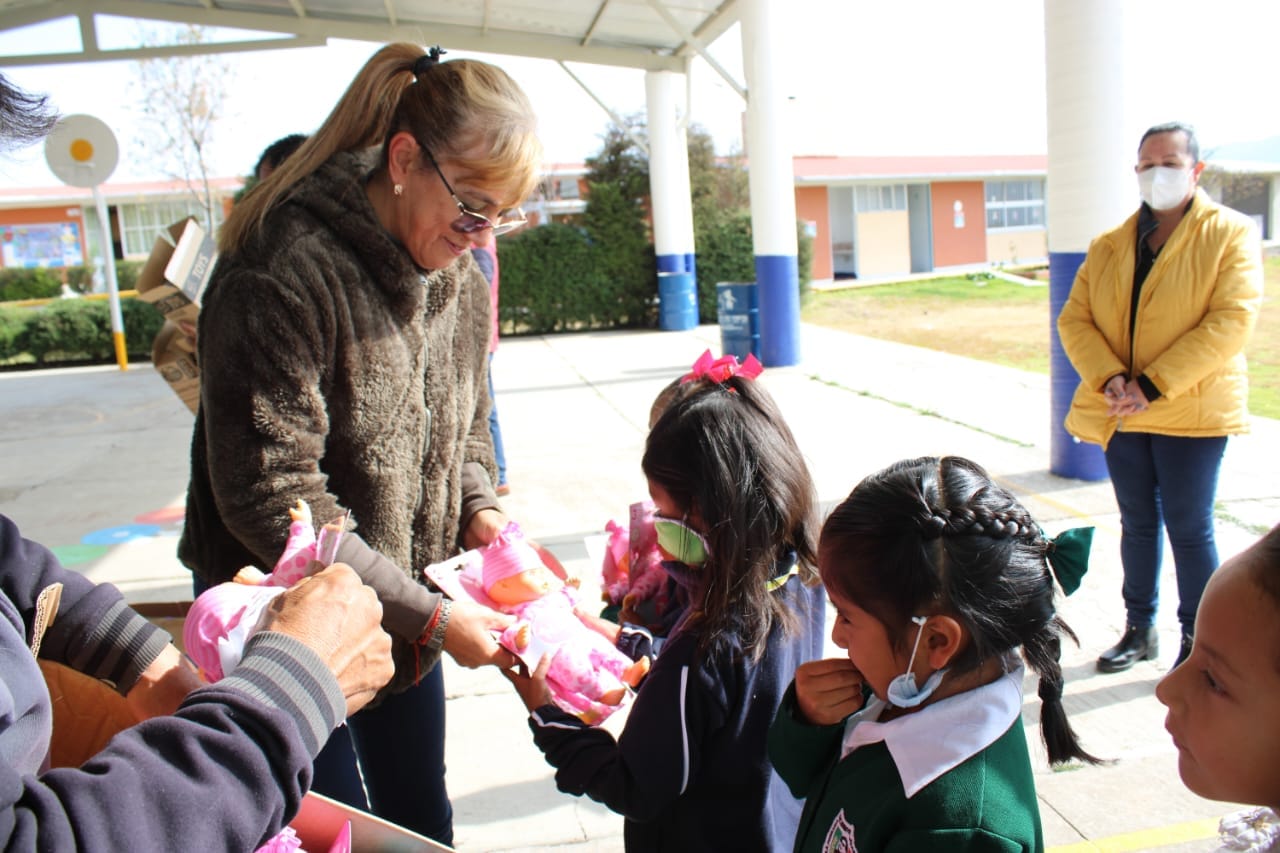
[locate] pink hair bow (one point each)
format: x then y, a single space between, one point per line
720 369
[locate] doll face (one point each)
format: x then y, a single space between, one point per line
1225 697
530 585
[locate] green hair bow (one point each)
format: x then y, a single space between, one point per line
1069 556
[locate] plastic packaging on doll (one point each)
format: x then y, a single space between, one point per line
588 676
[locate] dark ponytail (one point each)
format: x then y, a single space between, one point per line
941 533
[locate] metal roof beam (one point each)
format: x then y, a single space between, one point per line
693 41
559 48
93 54
617 119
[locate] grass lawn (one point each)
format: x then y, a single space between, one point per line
1007 323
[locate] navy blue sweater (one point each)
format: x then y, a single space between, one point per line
227 771
690 770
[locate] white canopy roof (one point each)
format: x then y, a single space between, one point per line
646 34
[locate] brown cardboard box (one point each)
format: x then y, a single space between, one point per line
87 713
177 270
173 356
173 279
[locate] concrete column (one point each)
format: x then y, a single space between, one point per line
666 103
1090 184
772 183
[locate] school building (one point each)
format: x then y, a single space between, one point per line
881 217
869 217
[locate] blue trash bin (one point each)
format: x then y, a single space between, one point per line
739 318
677 301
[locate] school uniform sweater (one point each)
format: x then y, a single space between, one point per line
954 776
245 744
689 771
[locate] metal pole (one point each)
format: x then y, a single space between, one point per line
113 288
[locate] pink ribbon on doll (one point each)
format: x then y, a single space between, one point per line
720 369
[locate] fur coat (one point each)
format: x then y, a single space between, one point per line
336 371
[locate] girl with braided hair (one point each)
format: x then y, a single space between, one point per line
914 741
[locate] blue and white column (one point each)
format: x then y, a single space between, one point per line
666 96
772 183
1090 187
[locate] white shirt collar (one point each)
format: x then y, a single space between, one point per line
927 743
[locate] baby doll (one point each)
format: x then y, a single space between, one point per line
588 675
222 618
636 588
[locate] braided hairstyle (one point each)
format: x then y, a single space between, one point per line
724 451
937 534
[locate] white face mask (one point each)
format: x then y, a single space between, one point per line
1163 187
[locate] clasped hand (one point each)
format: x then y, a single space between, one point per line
1124 397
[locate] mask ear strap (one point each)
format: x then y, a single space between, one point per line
919 620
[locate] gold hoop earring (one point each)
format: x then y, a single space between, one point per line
398 189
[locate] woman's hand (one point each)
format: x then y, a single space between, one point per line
828 690
532 688
469 636
1125 397
484 527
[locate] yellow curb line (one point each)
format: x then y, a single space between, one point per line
1146 839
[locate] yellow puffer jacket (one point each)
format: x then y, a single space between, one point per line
1196 312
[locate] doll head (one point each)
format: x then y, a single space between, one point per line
1224 699
514 574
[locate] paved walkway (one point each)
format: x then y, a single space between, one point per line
95 466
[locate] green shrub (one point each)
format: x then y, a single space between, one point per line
28 283
127 274
142 323
625 288
69 329
542 269
12 322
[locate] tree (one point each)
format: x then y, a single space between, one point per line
620 161
181 99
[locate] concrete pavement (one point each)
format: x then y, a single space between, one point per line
95 464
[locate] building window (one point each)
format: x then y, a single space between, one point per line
1015 204
140 224
567 188
883 197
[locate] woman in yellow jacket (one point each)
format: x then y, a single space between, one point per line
1156 326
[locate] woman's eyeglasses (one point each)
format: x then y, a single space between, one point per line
469 222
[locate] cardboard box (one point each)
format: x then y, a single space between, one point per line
177 270
87 713
173 356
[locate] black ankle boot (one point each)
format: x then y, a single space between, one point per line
1184 651
1136 644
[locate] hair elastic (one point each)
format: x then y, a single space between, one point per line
423 63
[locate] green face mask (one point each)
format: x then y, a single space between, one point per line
681 541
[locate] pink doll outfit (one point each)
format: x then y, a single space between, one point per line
222 618
586 669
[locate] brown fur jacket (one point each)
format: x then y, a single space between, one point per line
334 370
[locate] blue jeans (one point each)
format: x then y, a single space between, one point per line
1165 483
495 430
400 747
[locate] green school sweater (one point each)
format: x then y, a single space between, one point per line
857 803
